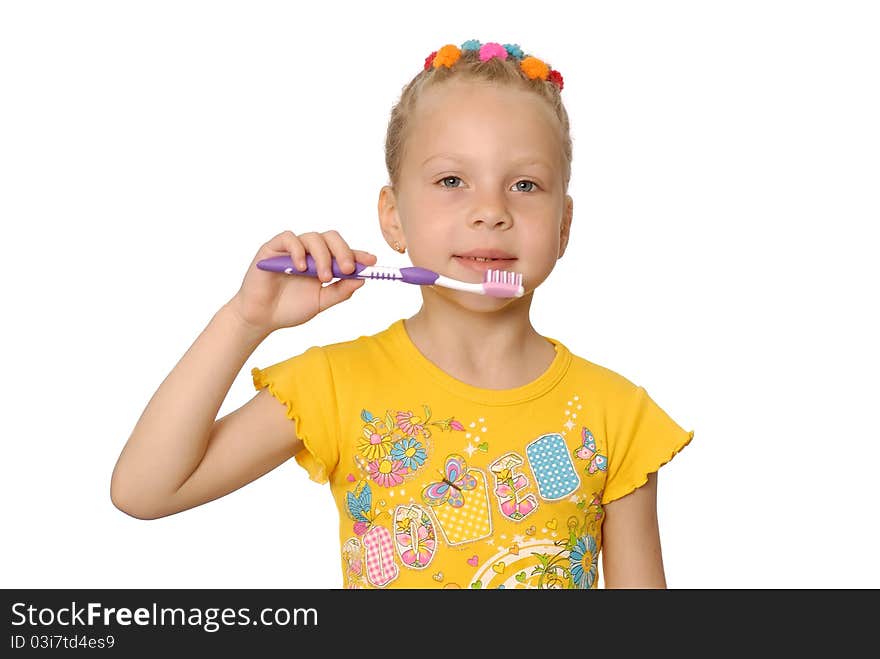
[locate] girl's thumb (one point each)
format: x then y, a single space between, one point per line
339 291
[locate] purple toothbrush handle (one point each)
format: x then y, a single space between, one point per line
285 264
410 275
421 276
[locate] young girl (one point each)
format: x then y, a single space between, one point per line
462 447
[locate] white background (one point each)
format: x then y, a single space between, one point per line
723 256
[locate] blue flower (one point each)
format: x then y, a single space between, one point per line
584 559
410 453
471 44
513 50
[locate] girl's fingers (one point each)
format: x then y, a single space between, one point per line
340 251
286 242
338 291
297 251
315 245
364 257
323 247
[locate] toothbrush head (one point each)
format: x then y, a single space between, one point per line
503 283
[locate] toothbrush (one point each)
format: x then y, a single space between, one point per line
496 283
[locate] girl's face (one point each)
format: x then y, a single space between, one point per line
482 169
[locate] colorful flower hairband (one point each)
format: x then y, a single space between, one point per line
531 66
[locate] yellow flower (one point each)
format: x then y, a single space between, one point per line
375 443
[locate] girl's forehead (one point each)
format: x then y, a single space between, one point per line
463 94
467 117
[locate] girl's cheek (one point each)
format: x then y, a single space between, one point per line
444 199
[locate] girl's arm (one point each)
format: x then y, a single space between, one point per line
631 540
178 456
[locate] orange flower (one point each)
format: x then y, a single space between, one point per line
446 56
535 68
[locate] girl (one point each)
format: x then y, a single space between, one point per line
462 447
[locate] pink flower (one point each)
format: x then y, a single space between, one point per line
455 425
411 424
492 49
419 553
387 472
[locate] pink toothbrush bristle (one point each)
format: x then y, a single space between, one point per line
503 283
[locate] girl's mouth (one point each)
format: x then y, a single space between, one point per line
481 264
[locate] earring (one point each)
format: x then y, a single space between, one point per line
398 247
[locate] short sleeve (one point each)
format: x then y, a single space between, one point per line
642 439
304 384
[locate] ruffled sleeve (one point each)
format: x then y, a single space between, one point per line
304 384
643 438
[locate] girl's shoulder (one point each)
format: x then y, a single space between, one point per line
602 379
364 346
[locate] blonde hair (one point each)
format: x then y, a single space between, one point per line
469 67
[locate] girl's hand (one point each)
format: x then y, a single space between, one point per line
271 300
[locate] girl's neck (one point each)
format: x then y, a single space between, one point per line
486 349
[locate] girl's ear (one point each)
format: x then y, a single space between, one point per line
565 229
389 219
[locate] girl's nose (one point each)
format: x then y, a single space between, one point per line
490 208
495 217
493 221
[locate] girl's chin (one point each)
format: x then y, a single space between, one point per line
472 301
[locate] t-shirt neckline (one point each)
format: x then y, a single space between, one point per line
537 387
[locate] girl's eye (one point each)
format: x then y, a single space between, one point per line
449 178
518 183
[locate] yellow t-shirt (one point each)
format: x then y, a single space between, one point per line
441 484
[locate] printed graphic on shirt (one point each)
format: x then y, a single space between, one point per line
514 568
395 448
359 505
473 434
460 501
414 536
588 451
455 481
570 562
353 566
594 512
510 488
550 461
379 556
406 528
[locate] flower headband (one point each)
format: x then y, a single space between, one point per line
531 66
